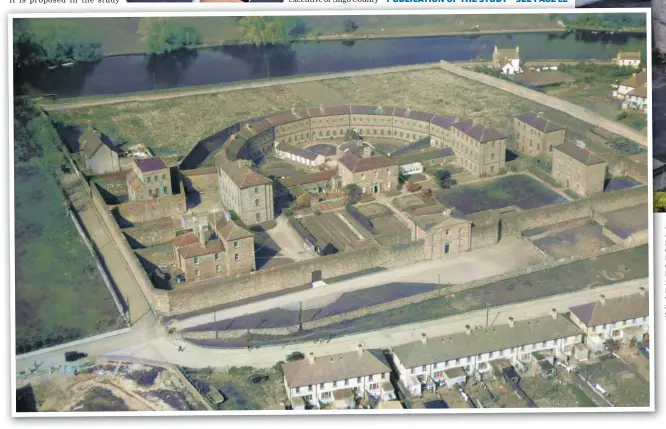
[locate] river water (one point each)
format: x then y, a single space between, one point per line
133 73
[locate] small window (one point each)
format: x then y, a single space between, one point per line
164 176
256 203
258 217
217 256
165 190
218 269
148 179
256 190
384 376
236 257
196 261
358 380
321 386
298 390
197 273
335 384
235 245
346 382
376 173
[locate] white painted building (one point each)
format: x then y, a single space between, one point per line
628 59
441 358
315 380
297 154
620 319
507 60
633 92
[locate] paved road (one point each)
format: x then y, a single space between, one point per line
508 255
199 357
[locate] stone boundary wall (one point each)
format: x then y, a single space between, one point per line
214 292
555 103
379 308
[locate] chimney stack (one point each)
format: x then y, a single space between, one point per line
495 48
359 350
367 152
602 298
468 330
424 338
641 291
553 313
512 323
311 358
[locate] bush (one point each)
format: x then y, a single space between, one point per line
413 187
293 357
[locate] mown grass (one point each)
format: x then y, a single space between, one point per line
60 295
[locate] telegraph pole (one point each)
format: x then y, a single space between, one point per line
487 313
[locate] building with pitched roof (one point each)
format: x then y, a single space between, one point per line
246 192
628 59
622 318
474 350
444 230
372 173
216 246
479 149
416 162
579 169
150 178
507 60
97 152
633 91
297 154
316 380
536 135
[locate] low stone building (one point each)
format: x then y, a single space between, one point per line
536 135
316 380
474 350
98 153
246 192
577 168
633 91
216 247
150 178
444 230
416 162
297 154
372 173
620 319
479 149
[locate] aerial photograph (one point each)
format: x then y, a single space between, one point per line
295 214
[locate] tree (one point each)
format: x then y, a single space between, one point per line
353 193
349 26
162 35
268 31
659 202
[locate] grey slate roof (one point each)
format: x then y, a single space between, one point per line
424 155
480 133
243 176
326 369
460 345
294 150
357 164
539 122
583 156
614 310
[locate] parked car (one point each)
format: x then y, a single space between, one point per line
74 356
259 379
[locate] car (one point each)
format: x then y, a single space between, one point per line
74 356
256 379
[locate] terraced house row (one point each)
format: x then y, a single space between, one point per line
576 335
480 149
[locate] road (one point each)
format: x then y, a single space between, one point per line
508 255
199 357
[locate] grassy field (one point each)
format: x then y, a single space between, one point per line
179 123
242 394
119 35
55 273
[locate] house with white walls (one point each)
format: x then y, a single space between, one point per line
441 359
323 380
628 59
621 319
507 60
297 154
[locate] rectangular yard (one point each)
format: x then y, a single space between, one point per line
519 190
60 294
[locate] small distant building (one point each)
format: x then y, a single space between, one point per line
150 178
479 149
628 59
98 153
417 162
536 135
216 247
374 174
578 169
335 378
620 319
633 92
246 192
297 154
321 182
507 60
444 230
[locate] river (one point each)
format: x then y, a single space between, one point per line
134 73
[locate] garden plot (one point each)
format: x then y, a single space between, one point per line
578 237
113 387
555 392
623 385
519 190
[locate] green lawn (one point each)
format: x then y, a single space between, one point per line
118 35
60 295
